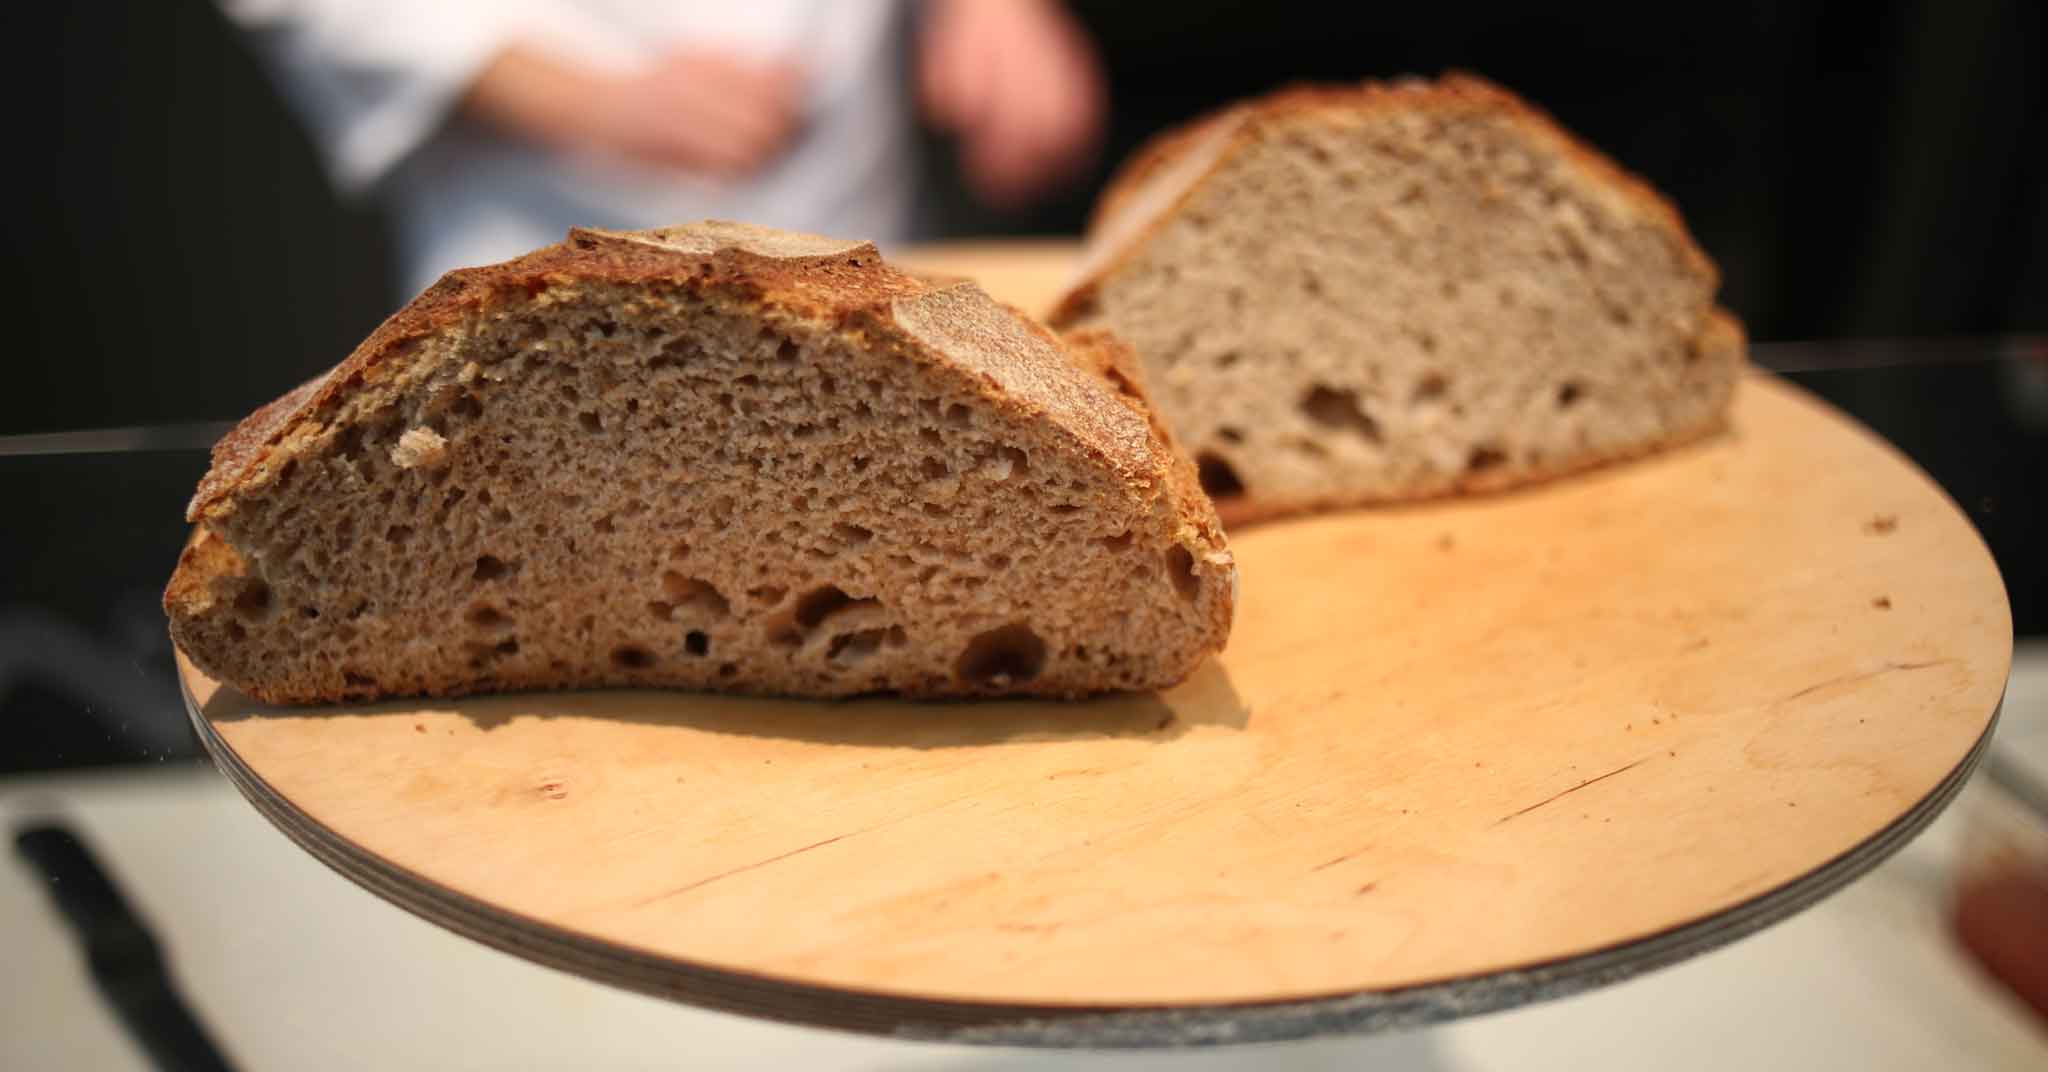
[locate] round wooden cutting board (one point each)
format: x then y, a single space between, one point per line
1458 756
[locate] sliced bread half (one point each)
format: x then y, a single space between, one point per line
1354 294
715 457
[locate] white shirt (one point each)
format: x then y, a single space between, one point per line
377 82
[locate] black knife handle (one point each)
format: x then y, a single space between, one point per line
126 962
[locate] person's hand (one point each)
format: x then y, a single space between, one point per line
1020 85
696 110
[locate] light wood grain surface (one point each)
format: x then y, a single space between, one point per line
1447 740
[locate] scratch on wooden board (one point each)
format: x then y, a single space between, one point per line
1865 675
1555 797
743 868
1328 864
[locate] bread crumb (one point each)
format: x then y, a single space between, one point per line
1882 602
1882 524
419 448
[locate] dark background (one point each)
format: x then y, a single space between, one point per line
1858 170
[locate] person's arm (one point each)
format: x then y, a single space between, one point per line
373 79
695 110
1020 84
376 78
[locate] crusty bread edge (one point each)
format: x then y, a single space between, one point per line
1454 92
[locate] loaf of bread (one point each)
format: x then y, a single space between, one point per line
713 457
1356 294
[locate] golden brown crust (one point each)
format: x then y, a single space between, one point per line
1456 93
1109 357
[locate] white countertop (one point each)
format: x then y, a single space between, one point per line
291 966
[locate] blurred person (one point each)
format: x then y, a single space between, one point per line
489 127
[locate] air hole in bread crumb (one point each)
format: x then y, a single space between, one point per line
934 469
959 416
696 642
680 551
1001 657
1217 477
787 351
661 611
1485 457
1120 542
727 669
819 604
851 534
489 568
1429 388
253 601
236 632
1311 285
931 436
1230 435
896 637
767 595
590 421
1339 410
604 525
848 649
398 534
689 593
466 407
1180 565
485 616
1568 392
932 509
632 657
357 681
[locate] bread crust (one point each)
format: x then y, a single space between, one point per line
1455 94
845 287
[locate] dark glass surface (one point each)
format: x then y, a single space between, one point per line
96 521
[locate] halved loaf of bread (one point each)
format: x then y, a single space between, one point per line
714 457
1356 294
